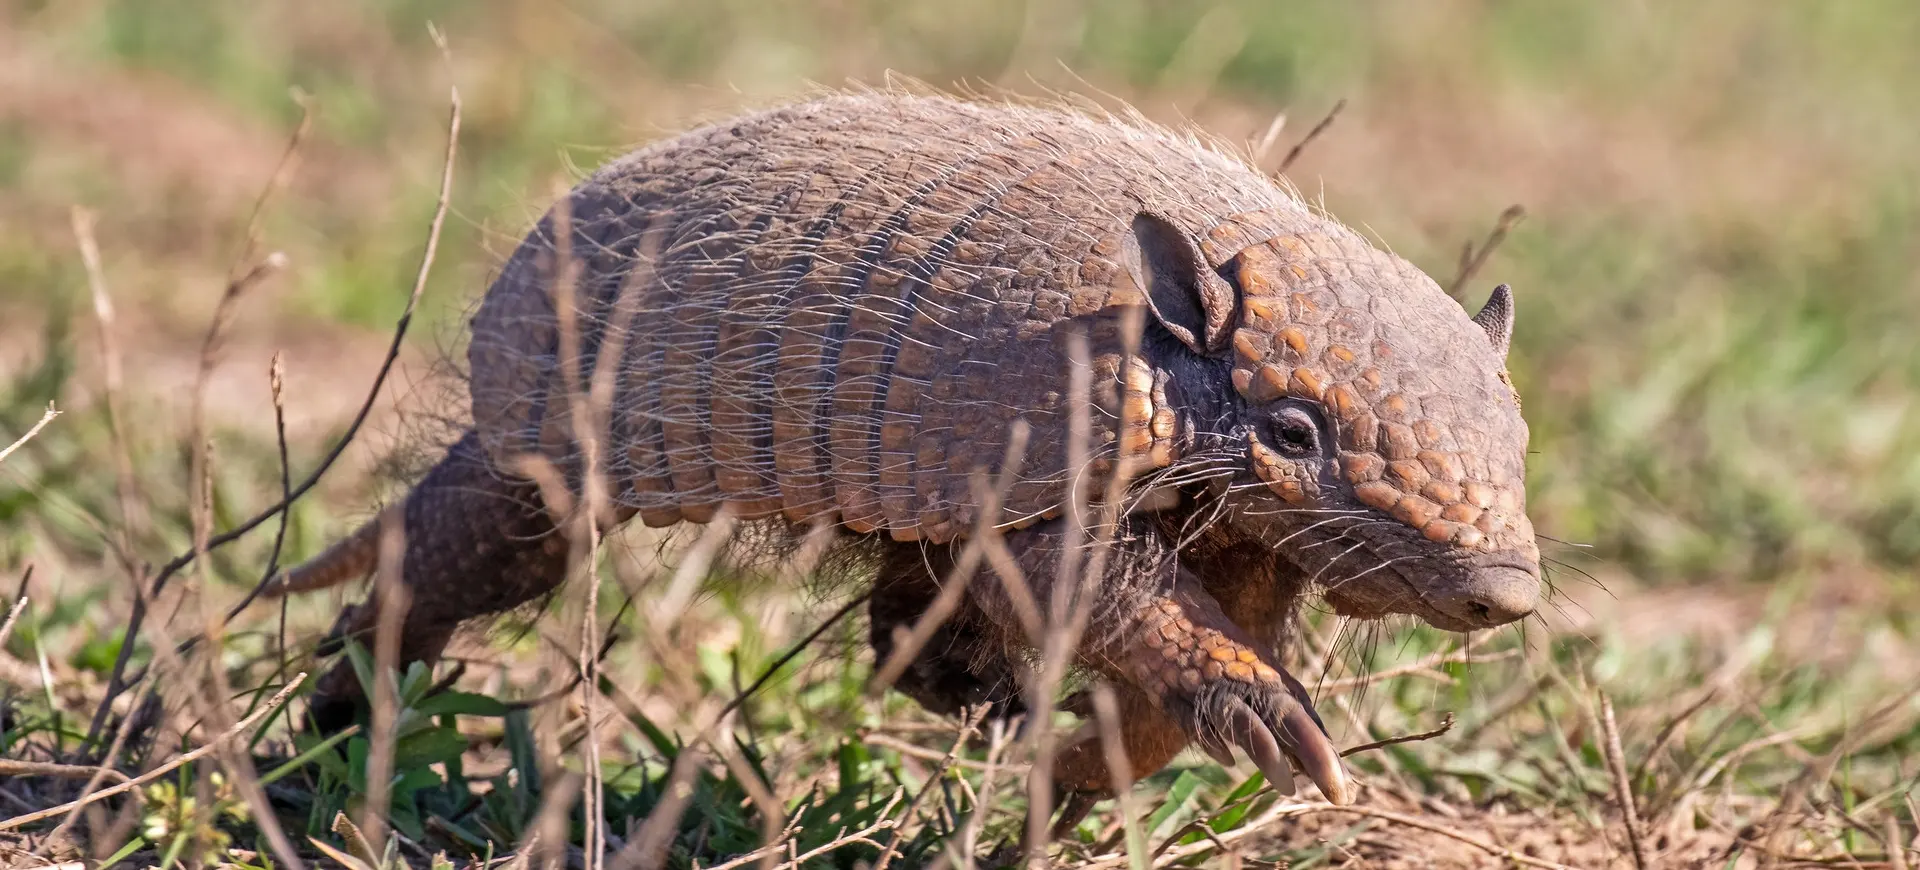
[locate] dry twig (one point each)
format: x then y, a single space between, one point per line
1446 724
915 750
13 614
11 767
1299 148
989 784
1119 769
44 420
799 859
964 568
1471 258
126 486
1260 147
390 611
647 848
1671 731
1622 786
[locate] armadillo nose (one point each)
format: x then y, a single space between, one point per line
1499 594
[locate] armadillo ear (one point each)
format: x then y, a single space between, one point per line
1187 297
1496 317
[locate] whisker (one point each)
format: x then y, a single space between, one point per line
1556 563
1345 534
1563 543
1383 564
1315 579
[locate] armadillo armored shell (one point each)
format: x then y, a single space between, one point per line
838 310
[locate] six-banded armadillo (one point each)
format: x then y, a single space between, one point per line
838 311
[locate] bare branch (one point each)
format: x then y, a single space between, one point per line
1294 153
1446 724
1471 258
44 420
11 767
1622 786
13 615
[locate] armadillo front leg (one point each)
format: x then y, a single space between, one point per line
477 543
1187 672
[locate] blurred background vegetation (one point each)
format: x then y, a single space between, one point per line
1718 276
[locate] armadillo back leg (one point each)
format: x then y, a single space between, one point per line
477 543
963 663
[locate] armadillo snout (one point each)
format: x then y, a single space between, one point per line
1490 595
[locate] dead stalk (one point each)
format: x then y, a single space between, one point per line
126 486
390 592
44 420
691 571
1294 153
758 791
583 527
1261 147
11 767
961 576
1471 258
103 771
1106 713
13 615
276 383
798 859
915 750
200 488
1672 730
1064 599
1446 725
997 740
1622 786
647 849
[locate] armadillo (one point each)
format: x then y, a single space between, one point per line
842 311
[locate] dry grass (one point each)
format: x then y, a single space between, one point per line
1715 281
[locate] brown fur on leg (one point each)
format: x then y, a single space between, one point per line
1081 774
965 662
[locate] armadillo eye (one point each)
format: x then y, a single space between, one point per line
1295 433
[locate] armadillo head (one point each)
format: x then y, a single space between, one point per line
1384 451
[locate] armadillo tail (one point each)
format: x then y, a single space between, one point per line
477 542
352 558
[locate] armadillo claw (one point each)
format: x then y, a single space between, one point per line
1292 732
1309 746
1217 749
1253 736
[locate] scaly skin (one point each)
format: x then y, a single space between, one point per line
839 310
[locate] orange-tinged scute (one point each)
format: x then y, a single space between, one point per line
1417 396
